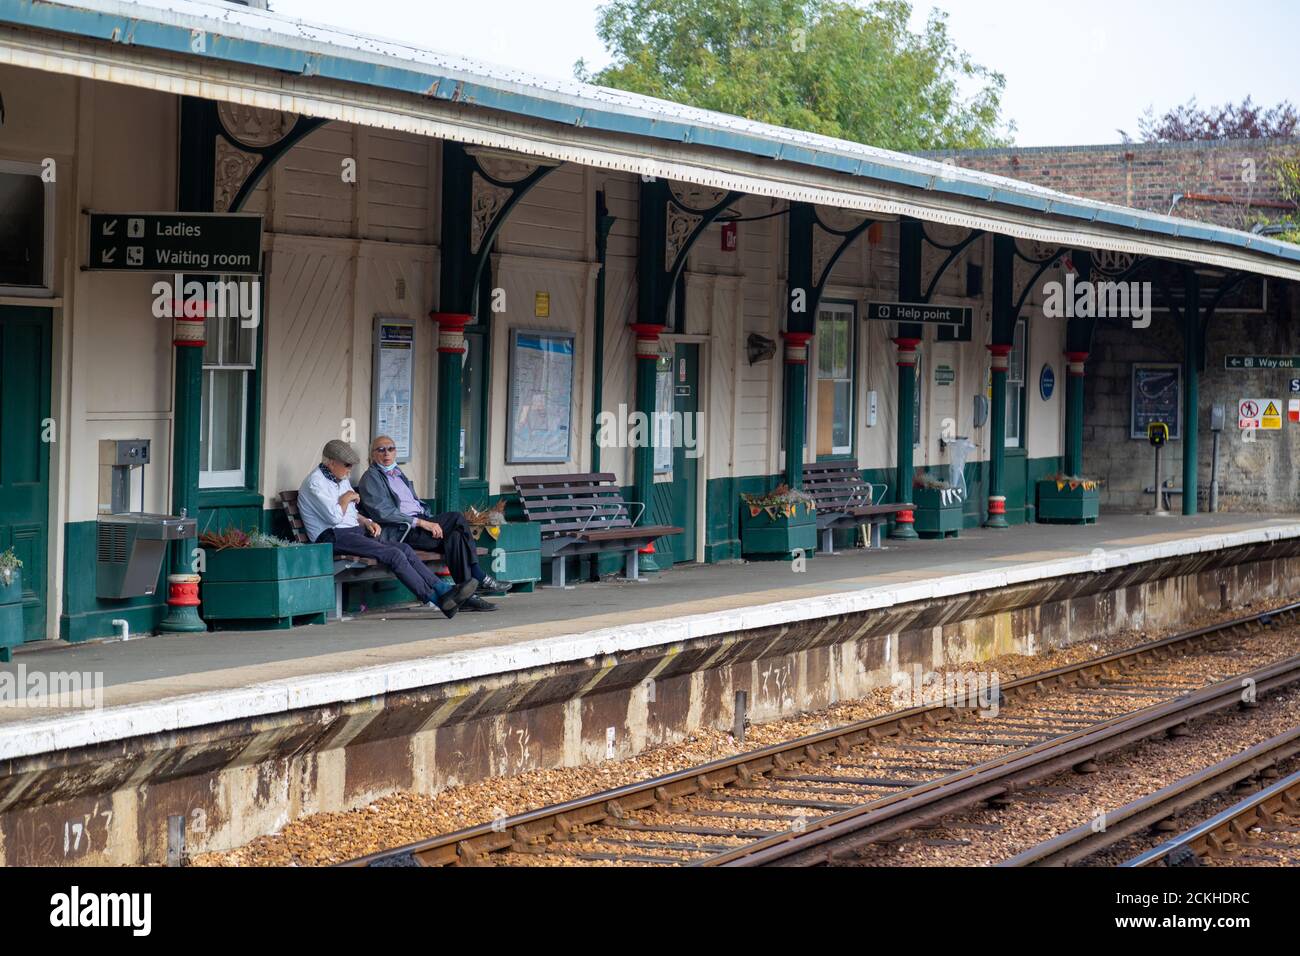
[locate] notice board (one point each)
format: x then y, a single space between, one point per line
1156 396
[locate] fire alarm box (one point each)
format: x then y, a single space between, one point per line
728 237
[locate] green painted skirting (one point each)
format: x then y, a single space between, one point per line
86 616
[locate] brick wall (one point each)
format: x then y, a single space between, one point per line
1259 476
1149 175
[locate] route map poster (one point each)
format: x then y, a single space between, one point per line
1157 396
394 364
541 396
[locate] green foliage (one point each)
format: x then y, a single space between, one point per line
9 563
825 66
1288 181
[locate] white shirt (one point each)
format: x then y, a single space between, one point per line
318 504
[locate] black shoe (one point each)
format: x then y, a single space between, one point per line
450 602
476 603
494 587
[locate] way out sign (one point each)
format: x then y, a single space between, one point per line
1259 414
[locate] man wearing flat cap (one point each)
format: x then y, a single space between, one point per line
328 506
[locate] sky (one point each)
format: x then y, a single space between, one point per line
1076 73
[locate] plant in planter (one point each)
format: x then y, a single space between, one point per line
939 506
1068 499
11 602
253 581
778 524
514 549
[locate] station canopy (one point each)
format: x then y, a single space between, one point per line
229 52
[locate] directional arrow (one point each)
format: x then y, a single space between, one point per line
107 255
109 228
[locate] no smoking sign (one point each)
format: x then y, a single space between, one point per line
1259 413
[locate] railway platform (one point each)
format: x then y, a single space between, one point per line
236 733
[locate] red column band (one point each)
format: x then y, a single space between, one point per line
796 347
906 351
451 331
647 340
997 505
1074 363
1001 361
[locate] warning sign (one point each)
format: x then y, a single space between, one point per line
1259 413
1293 409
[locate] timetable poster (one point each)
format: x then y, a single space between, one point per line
394 364
541 396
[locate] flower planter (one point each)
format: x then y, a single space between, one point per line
11 615
264 588
775 534
1067 502
514 553
938 512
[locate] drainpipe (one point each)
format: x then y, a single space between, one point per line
604 223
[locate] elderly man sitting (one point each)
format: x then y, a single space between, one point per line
328 505
387 496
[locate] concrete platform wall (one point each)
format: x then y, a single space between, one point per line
233 781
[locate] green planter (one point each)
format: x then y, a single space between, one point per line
11 615
938 513
764 537
1058 503
514 555
264 588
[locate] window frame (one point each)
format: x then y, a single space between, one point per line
240 478
850 310
46 289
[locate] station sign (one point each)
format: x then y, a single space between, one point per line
920 313
186 242
1263 414
1266 362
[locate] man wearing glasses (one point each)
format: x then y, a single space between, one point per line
388 497
328 507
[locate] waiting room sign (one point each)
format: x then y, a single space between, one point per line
192 243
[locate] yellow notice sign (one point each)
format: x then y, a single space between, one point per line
542 305
1271 420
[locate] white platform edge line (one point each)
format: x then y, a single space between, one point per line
67 731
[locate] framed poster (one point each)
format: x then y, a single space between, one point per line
1156 396
541 396
391 382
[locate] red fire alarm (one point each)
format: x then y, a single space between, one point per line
728 237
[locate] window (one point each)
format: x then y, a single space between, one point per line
26 230
835 380
229 358
1016 387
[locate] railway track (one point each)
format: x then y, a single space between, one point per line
739 810
1158 811
1263 828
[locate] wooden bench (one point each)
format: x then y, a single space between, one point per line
350 570
844 500
585 514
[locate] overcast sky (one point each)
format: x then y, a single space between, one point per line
1076 73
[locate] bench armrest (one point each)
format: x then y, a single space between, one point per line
639 513
590 517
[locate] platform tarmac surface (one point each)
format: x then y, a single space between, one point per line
550 624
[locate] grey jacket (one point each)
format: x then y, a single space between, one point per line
379 503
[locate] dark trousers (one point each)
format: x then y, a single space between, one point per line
398 558
456 546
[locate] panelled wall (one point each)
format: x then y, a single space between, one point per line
342 249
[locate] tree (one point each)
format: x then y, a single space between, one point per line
1244 120
826 66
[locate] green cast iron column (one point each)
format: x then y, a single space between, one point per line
998 436
604 223
1191 385
796 404
643 454
451 357
909 337
1074 412
1001 337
